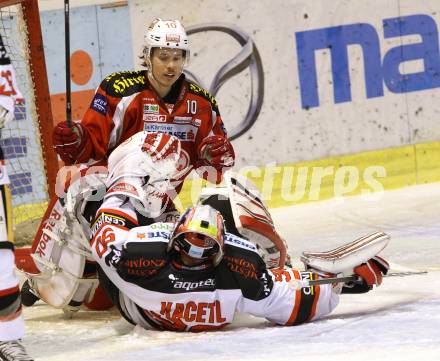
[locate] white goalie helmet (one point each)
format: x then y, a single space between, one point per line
142 167
151 154
166 34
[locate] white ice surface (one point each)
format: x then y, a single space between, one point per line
398 321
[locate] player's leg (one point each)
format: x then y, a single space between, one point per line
11 318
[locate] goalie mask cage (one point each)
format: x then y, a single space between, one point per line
26 141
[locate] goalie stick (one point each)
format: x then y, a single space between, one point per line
323 281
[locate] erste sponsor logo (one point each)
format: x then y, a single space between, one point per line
175 38
154 118
240 242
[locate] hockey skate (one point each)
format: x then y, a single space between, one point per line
13 351
28 295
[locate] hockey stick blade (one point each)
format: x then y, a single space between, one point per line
324 281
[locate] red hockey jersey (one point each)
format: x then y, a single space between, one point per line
125 103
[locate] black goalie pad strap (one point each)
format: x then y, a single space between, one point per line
6 245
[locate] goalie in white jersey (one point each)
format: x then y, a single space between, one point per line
193 276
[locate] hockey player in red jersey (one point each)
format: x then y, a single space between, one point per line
158 99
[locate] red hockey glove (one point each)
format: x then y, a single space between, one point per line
68 141
216 151
371 273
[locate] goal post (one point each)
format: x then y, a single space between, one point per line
27 141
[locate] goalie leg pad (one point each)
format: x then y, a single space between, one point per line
61 247
62 263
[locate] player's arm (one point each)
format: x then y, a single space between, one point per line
128 253
291 301
215 152
89 138
272 294
110 229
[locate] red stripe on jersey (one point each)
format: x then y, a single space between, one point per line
9 291
12 316
201 328
295 310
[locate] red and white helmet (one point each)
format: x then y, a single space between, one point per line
151 154
166 34
199 233
142 167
